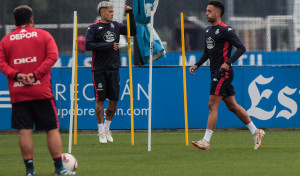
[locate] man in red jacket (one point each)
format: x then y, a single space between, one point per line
26 57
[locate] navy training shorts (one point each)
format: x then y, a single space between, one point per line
221 83
106 85
41 113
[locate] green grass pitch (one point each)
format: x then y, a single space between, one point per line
231 154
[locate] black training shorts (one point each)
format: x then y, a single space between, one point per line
106 85
41 113
221 83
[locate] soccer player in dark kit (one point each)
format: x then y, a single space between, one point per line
219 39
103 39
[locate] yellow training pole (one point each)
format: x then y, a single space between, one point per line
184 81
75 82
130 79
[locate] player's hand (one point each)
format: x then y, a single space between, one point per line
192 69
224 67
128 7
116 46
23 78
31 78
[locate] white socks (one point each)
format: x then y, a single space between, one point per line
208 134
252 127
100 128
107 124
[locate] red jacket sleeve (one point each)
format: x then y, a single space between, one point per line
5 68
50 60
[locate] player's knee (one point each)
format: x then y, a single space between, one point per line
113 104
231 107
211 106
100 103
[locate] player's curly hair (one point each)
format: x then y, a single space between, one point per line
218 4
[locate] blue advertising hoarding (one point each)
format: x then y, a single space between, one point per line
270 95
175 59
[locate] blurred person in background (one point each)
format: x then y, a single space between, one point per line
219 39
26 57
103 39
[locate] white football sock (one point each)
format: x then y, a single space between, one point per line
107 124
101 128
252 127
208 134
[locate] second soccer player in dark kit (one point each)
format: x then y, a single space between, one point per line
219 39
103 39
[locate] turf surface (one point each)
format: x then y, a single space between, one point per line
231 153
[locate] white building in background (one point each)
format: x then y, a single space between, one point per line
296 24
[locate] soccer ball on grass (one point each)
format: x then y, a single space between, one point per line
69 161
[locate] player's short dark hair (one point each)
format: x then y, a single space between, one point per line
22 15
218 4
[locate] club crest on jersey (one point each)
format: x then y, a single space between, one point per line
210 43
109 36
217 31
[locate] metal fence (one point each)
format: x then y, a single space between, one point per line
263 25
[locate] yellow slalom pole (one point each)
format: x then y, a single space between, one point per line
130 80
75 82
184 82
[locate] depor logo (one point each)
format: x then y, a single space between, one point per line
23 35
25 60
255 96
210 43
109 36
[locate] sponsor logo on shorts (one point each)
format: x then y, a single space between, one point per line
100 87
